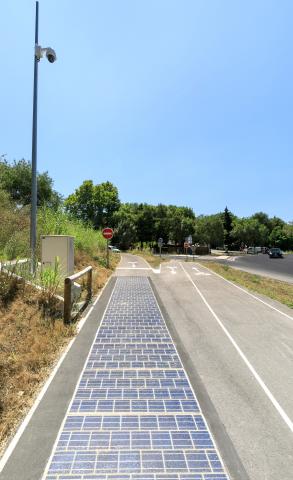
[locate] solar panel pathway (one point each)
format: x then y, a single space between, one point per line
134 415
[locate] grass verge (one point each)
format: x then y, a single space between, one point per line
275 289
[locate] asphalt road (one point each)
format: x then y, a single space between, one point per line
238 352
261 264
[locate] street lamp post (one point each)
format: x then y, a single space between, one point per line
51 56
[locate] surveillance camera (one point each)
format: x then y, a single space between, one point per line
51 55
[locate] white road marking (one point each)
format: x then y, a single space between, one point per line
133 264
190 386
276 404
198 272
173 269
250 294
8 452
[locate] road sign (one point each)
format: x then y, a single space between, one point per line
160 241
107 233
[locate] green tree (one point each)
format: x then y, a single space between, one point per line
181 221
145 223
209 230
282 237
227 224
94 203
250 232
16 179
125 233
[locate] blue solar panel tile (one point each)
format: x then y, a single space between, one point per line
134 415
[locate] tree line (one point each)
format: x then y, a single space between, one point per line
142 224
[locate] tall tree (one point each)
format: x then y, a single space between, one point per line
227 224
94 203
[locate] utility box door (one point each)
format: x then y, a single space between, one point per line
61 246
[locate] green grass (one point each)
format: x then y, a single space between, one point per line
59 223
275 289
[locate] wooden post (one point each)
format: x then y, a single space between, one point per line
67 301
89 284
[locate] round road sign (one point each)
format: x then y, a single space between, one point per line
107 233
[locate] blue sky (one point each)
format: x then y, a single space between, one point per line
177 102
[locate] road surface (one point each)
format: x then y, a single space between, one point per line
261 264
239 353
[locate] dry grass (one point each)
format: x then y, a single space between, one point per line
275 289
100 272
153 260
30 345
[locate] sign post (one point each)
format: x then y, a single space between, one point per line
186 246
107 234
160 243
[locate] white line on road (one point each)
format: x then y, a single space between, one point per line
133 264
250 294
276 404
198 272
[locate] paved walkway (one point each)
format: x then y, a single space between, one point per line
134 415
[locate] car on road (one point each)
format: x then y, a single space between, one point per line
114 249
275 253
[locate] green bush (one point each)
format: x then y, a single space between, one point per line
58 222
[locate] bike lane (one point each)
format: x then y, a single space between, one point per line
134 415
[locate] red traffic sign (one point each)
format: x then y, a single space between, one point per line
107 233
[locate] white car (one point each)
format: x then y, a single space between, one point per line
114 249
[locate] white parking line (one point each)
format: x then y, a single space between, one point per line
276 404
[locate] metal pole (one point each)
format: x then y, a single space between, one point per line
33 232
107 253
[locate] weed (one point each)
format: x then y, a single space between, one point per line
9 285
50 280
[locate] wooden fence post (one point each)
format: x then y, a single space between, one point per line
67 301
89 284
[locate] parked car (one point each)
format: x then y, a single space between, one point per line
253 250
275 253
